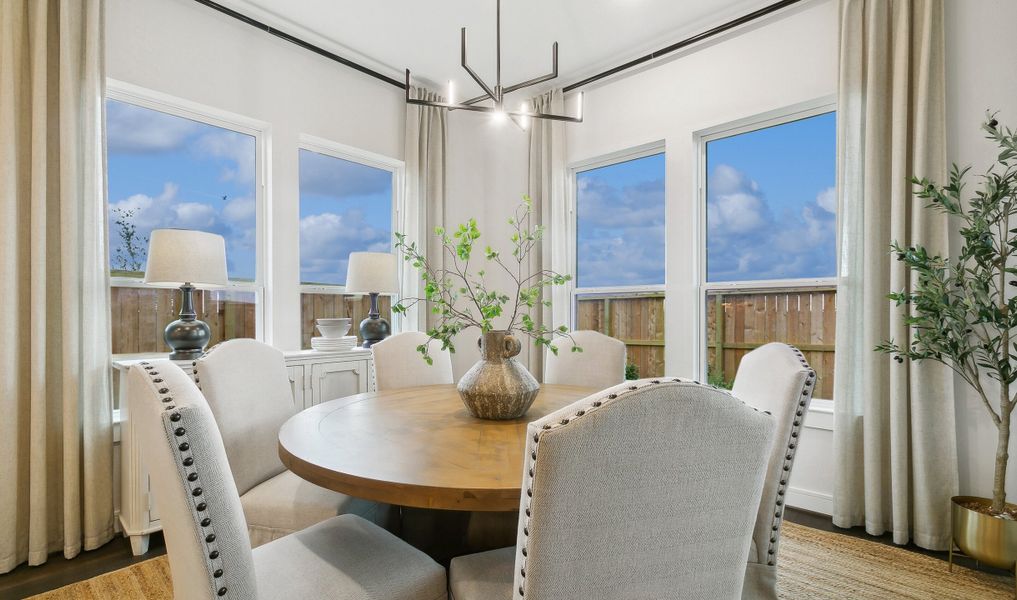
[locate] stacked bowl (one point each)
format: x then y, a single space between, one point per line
333 336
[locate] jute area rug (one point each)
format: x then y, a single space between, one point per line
814 565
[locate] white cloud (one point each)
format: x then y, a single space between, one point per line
240 211
327 239
747 241
135 130
238 150
195 215
827 200
621 233
234 220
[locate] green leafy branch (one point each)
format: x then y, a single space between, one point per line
461 298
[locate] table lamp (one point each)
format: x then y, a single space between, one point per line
372 273
188 259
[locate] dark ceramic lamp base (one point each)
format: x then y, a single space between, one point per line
187 336
374 329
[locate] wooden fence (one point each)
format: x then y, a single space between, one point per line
139 316
804 317
322 306
637 320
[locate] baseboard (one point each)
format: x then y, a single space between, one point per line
810 500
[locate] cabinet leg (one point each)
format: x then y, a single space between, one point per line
139 544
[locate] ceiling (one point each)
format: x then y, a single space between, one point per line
392 35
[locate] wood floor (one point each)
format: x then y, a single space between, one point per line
26 581
57 572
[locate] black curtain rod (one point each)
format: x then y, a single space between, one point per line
303 44
752 16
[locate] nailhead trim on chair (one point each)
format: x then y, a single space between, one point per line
803 405
580 412
181 450
194 365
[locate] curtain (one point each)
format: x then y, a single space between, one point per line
894 437
425 149
547 173
56 433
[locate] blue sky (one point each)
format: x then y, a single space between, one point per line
344 207
620 224
771 202
169 171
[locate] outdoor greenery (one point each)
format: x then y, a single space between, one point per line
960 310
462 299
131 254
716 379
631 372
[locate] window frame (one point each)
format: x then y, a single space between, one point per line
261 132
394 166
779 116
572 195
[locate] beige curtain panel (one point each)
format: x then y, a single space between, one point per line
425 146
547 176
894 434
56 433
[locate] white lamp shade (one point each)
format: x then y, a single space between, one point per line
372 272
177 256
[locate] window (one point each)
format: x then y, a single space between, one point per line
619 287
771 240
171 167
347 202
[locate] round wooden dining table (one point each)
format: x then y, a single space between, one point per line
415 447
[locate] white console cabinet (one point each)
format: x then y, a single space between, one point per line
314 376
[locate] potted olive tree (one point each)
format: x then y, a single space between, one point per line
497 387
963 313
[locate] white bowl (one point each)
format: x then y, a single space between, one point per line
333 328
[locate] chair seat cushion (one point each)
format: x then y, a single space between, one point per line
483 576
346 558
286 503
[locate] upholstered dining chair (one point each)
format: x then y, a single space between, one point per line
775 378
210 554
397 364
600 365
638 491
248 390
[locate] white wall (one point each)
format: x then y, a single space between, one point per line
980 59
181 48
487 177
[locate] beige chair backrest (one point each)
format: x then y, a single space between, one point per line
248 389
600 365
777 379
202 520
639 491
397 364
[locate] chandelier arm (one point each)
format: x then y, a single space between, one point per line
480 98
473 73
542 78
494 109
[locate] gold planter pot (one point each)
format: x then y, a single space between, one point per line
985 538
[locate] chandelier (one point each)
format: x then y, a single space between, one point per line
496 94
